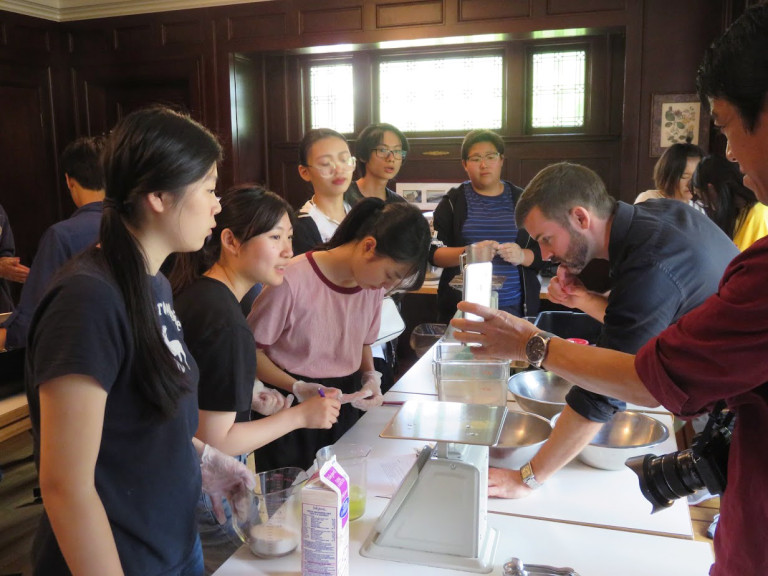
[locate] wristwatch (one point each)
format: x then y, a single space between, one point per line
536 348
526 472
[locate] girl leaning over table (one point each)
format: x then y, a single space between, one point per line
314 331
251 243
110 381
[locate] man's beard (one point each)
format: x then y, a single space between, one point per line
576 258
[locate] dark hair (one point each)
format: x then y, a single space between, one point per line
81 160
671 166
730 198
247 210
475 136
150 150
558 188
401 233
370 137
315 135
735 67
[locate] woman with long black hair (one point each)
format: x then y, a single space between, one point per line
110 382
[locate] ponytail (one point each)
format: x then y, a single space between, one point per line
150 150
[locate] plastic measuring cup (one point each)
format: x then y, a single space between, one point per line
353 459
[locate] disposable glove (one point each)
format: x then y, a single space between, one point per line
305 390
268 401
226 477
372 384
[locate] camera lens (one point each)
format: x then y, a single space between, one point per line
665 478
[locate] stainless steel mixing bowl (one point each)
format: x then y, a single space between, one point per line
539 391
628 434
521 437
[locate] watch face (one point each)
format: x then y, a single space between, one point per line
535 349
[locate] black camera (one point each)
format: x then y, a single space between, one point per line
665 478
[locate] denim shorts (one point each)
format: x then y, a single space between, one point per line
193 566
219 541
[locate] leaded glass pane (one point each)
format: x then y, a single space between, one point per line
558 89
442 94
331 93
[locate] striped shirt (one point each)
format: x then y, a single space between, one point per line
493 218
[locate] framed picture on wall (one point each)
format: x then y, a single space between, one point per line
425 195
676 119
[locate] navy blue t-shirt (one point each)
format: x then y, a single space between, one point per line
147 470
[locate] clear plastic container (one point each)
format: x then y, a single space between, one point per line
460 377
271 524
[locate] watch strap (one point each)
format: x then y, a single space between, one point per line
529 479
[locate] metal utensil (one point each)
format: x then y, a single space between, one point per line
515 567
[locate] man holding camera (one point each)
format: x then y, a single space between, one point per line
665 259
717 351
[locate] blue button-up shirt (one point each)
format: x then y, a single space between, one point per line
59 243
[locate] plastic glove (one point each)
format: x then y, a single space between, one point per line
511 252
305 390
226 477
372 383
268 401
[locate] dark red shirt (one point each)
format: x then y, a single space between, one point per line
720 351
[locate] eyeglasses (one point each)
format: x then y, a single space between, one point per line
487 158
385 153
328 169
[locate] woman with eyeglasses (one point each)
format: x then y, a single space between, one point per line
325 162
381 150
314 330
482 210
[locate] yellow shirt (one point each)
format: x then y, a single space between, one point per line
751 226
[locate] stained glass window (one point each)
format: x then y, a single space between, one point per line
442 94
557 93
332 97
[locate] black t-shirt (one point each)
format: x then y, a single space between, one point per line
147 471
222 343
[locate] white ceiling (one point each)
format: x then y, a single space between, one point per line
68 10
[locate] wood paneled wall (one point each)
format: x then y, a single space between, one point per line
229 67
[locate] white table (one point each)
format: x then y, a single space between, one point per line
594 521
578 493
590 551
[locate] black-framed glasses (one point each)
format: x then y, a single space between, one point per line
490 158
329 168
385 153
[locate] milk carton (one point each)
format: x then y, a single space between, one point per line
325 522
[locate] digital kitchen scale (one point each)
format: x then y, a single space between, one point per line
439 515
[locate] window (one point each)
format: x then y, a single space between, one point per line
331 93
442 94
515 88
557 89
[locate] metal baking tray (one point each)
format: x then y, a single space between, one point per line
476 424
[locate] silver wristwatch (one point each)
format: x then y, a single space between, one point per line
536 348
526 473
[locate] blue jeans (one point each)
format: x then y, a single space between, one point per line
194 564
219 541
